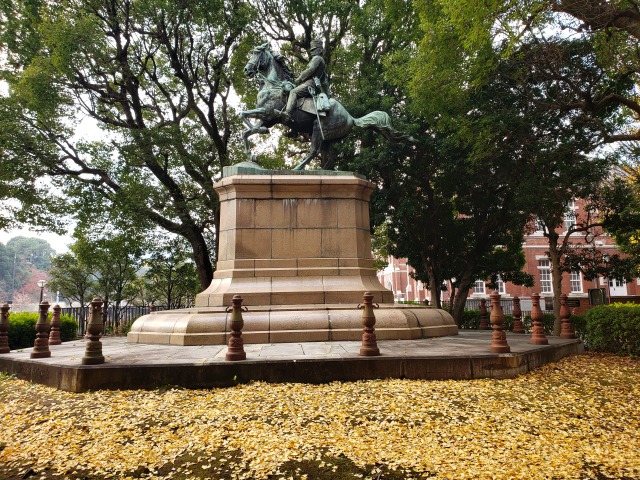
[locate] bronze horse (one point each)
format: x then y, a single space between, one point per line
275 81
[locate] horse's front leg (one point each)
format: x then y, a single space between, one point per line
245 114
253 129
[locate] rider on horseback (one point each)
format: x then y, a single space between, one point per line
315 71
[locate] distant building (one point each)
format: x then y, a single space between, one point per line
397 276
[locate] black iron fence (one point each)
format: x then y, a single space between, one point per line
111 324
505 303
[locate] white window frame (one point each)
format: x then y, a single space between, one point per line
570 216
501 286
478 289
546 279
575 279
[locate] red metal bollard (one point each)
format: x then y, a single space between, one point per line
235 350
93 351
565 315
484 324
538 336
54 336
369 346
41 345
4 328
498 337
518 326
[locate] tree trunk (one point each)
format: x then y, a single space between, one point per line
201 257
434 287
556 282
457 310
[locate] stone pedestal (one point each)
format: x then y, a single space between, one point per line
294 239
296 246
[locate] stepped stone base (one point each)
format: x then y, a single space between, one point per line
297 248
292 323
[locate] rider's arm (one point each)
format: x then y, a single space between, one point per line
310 72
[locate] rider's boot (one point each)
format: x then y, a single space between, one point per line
284 114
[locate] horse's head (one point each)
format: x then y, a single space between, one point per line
259 61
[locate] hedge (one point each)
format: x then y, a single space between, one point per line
614 328
22 329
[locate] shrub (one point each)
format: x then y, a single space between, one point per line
120 330
68 328
470 319
614 328
579 324
22 329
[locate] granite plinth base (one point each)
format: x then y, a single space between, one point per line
288 324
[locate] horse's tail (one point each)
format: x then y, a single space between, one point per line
381 123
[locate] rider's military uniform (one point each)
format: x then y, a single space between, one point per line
315 70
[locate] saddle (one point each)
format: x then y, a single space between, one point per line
307 104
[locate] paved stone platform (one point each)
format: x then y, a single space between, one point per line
133 366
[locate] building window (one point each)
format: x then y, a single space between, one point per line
576 282
544 268
478 287
570 215
501 288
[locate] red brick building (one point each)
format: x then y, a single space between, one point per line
397 276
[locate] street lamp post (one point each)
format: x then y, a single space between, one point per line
41 284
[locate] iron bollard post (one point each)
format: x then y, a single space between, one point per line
538 336
41 345
498 337
4 328
54 336
235 346
93 351
518 326
565 316
369 346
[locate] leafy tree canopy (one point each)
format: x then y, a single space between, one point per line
155 76
601 78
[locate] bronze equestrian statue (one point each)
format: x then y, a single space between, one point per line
279 95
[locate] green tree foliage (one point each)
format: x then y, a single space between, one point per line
18 258
626 226
495 98
450 203
115 260
155 76
463 33
73 278
170 278
34 251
